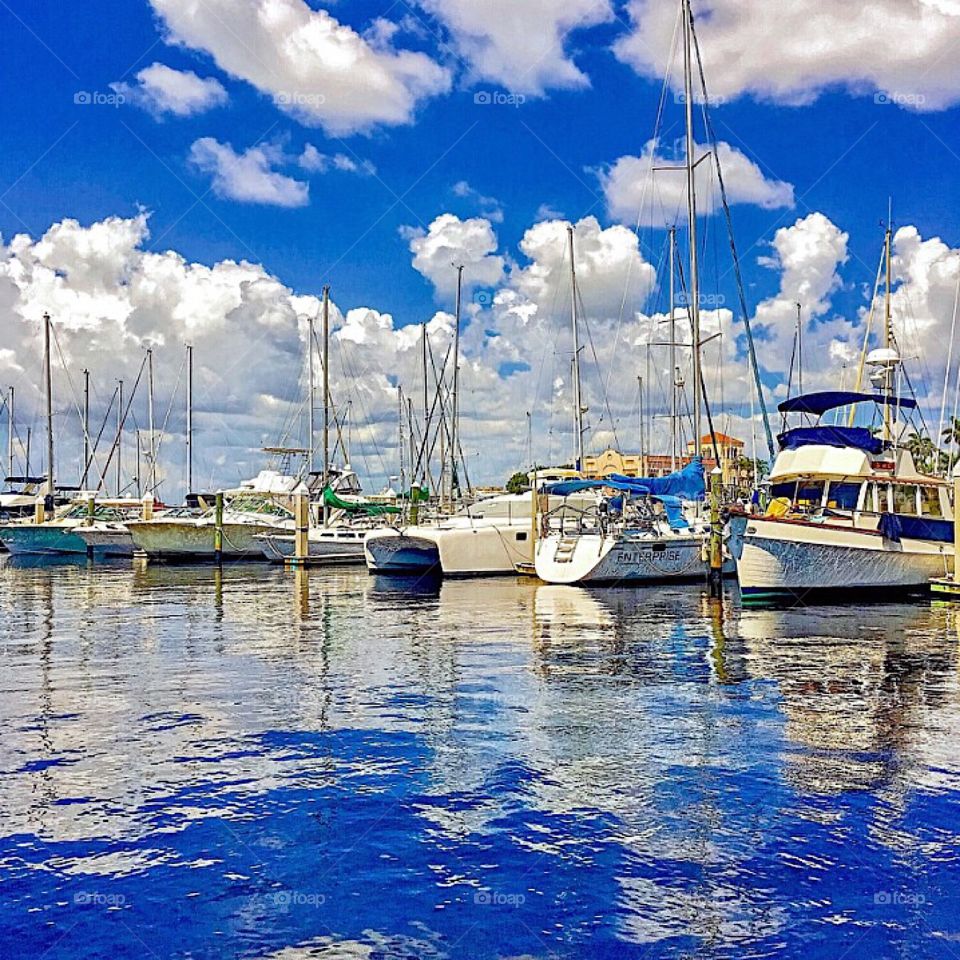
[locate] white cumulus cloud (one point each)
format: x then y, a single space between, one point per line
449 242
248 177
519 44
314 67
633 188
791 52
160 89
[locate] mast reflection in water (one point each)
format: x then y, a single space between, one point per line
256 763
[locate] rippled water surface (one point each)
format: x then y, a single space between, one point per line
266 764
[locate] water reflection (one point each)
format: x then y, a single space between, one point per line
542 771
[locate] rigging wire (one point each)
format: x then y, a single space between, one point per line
647 182
751 346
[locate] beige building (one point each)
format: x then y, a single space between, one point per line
658 464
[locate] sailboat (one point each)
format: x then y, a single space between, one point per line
637 528
850 512
653 528
340 515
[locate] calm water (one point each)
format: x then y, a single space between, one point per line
262 764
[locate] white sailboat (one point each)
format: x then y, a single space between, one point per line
651 530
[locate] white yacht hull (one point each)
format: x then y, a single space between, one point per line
324 546
482 548
792 559
621 558
107 543
195 540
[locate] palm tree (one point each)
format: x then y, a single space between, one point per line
923 451
951 432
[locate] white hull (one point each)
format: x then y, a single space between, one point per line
195 540
480 548
108 543
324 546
794 558
619 558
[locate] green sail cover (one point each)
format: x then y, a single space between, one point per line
331 500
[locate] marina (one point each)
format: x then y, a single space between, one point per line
481 480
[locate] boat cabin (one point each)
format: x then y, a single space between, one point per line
833 471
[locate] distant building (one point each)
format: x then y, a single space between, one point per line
658 464
731 455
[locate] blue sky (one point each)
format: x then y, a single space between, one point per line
825 135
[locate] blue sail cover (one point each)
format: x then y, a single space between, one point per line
688 483
673 508
819 403
685 484
828 436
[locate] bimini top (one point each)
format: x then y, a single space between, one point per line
820 403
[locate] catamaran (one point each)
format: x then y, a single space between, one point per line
493 536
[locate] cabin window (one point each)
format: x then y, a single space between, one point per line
809 494
843 496
783 490
930 502
878 494
904 499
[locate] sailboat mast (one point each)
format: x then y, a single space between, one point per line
455 414
326 400
400 440
887 341
411 437
694 304
426 413
577 398
673 352
10 426
189 418
643 445
48 384
119 436
86 429
153 442
311 398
